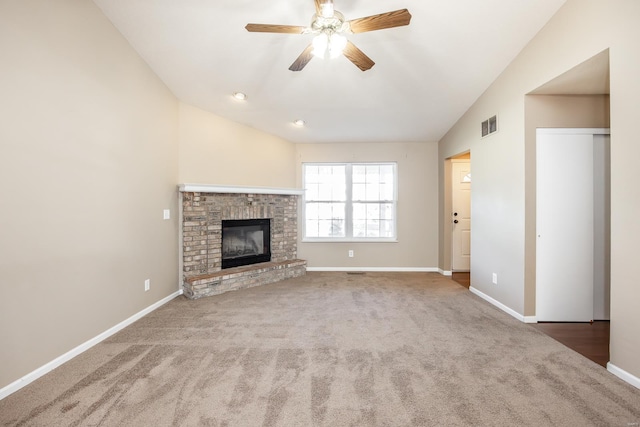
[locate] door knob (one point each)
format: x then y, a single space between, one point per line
455 221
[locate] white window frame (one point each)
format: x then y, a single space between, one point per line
349 204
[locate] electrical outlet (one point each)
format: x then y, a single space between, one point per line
166 214
350 253
495 279
147 285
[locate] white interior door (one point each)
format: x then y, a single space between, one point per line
565 225
461 214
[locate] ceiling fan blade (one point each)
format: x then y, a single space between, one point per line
272 28
318 7
397 18
303 59
357 56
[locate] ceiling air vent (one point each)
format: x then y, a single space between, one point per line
489 126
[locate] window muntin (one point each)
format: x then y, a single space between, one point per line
350 201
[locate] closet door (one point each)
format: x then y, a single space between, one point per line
565 225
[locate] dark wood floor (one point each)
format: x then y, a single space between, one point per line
463 278
589 339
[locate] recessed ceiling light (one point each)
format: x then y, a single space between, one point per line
240 96
298 122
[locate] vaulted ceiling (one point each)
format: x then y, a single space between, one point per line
426 74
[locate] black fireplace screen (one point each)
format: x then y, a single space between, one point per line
245 242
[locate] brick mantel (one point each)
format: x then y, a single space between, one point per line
202 210
232 189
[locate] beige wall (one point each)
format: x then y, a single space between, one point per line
88 147
214 150
580 30
417 207
551 112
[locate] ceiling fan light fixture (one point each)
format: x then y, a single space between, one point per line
326 9
337 43
329 27
320 43
331 44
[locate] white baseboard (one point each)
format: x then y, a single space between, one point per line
500 305
623 375
34 375
377 269
384 269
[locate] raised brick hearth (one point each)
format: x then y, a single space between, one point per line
201 226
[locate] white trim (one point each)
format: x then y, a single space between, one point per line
498 304
180 242
48 367
623 375
530 319
377 269
573 131
349 240
207 188
445 272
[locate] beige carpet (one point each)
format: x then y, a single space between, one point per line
329 349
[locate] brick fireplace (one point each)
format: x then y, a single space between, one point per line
204 207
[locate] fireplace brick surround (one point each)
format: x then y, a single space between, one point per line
202 213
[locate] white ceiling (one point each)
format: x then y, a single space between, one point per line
426 74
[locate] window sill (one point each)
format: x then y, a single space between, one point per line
348 240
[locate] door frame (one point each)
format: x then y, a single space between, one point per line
447 234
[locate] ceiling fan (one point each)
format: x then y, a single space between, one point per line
329 26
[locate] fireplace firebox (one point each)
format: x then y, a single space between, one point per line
245 242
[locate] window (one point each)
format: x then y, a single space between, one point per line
349 201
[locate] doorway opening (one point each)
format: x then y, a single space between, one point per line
573 256
578 98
